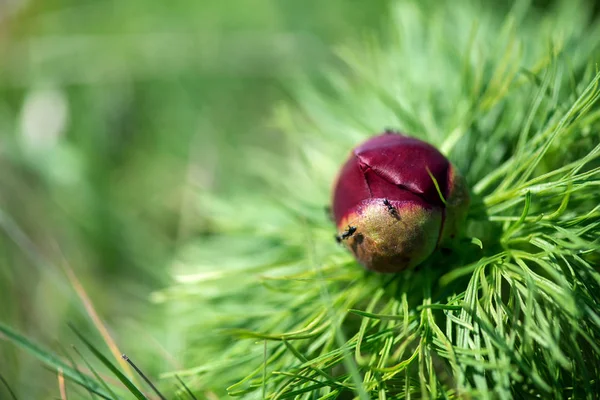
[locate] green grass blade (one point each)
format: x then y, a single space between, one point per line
113 396
49 359
8 388
128 384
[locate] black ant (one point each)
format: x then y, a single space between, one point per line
391 209
346 234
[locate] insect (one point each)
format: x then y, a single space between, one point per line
391 209
346 234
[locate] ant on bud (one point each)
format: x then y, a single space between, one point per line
346 234
391 209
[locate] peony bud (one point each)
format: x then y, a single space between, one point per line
387 207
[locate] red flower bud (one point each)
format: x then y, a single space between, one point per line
387 207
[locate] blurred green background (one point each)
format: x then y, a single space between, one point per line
110 112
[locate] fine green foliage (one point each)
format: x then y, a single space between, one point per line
72 373
264 304
272 308
90 380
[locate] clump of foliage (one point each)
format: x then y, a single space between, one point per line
273 308
268 306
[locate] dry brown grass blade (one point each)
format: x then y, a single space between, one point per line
61 385
97 321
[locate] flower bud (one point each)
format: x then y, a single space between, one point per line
396 199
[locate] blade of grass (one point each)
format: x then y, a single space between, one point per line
61 385
187 389
74 366
128 384
112 394
144 377
8 388
91 311
48 358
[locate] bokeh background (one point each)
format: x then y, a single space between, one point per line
110 111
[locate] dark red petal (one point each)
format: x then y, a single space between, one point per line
393 167
404 162
350 190
380 188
